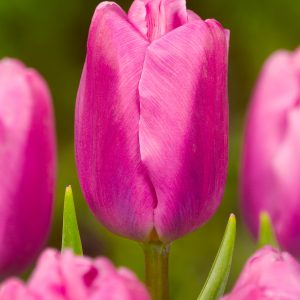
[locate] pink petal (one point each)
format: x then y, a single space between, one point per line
154 18
184 125
271 149
14 289
119 287
27 165
62 276
47 280
296 61
267 275
285 165
191 16
105 266
107 119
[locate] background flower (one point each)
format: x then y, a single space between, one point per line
268 275
27 165
64 276
271 162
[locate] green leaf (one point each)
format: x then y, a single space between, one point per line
266 232
70 235
217 279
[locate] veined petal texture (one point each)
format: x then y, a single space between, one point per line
151 128
154 18
107 123
184 125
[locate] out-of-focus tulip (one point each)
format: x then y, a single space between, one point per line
151 127
64 276
271 158
27 165
268 275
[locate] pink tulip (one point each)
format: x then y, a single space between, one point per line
151 124
268 275
271 158
27 165
64 276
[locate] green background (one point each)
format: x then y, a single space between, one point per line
51 37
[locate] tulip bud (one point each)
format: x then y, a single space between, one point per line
27 165
151 123
64 276
271 158
268 275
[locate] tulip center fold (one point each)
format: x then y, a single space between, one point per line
155 18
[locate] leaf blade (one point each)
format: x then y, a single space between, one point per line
266 232
217 279
70 234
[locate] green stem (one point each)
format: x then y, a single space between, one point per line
156 270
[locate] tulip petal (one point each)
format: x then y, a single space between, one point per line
27 154
112 177
269 170
14 289
285 165
192 16
184 130
268 274
63 276
154 18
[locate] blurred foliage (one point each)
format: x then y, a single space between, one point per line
51 37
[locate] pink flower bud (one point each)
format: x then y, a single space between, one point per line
268 275
64 276
271 158
27 165
151 124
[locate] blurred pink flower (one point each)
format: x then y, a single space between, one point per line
27 165
64 276
271 158
268 275
151 123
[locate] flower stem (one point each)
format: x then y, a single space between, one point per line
156 270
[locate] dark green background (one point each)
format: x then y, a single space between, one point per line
51 36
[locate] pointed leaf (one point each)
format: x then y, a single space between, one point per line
70 235
266 232
218 276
